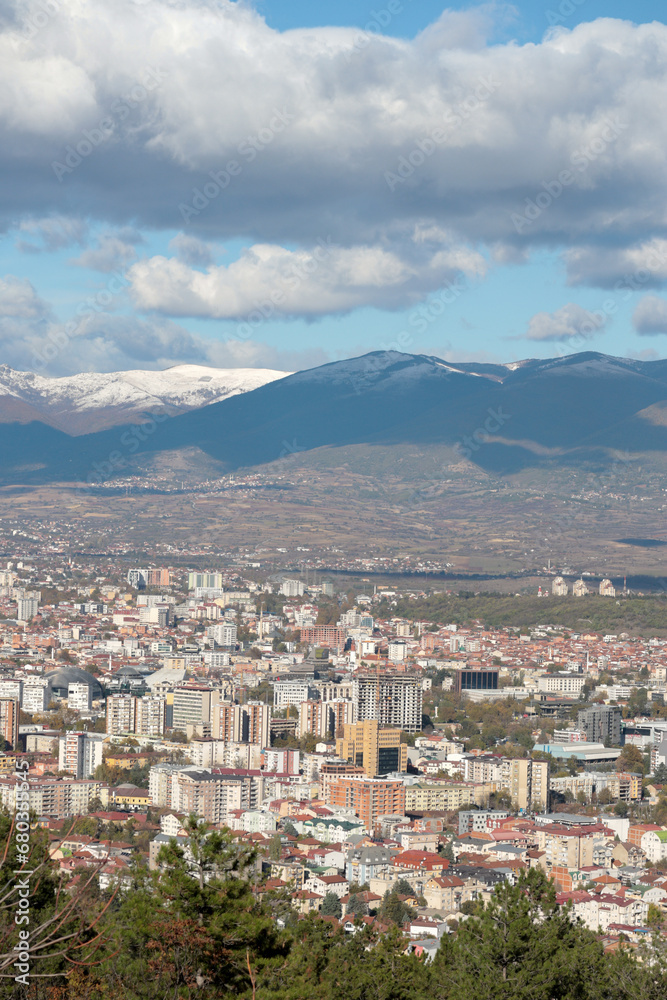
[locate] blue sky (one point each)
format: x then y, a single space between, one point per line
348 223
524 21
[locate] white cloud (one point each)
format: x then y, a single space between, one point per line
641 266
189 250
140 102
570 322
20 301
271 281
32 340
110 254
650 316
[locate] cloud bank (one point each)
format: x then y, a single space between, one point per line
124 112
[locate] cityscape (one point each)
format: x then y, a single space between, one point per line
333 482
367 757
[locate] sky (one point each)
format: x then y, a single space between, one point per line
283 184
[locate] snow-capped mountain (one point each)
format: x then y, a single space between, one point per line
79 404
581 410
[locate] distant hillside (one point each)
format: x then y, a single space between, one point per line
587 409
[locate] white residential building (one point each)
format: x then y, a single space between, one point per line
224 634
79 697
11 688
654 845
80 753
27 608
561 683
36 695
397 650
287 693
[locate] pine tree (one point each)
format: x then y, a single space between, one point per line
331 905
394 909
194 924
357 907
660 774
522 946
447 851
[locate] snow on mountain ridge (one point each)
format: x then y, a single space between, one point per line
89 401
183 386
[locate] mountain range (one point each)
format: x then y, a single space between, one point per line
80 404
585 409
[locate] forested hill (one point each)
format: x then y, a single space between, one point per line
634 615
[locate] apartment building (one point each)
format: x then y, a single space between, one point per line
213 796
394 700
209 581
249 723
11 687
568 848
654 845
527 782
365 863
480 820
601 724
378 751
224 634
36 695
156 614
325 719
368 798
159 577
324 635
206 752
150 716
80 753
482 769
9 721
57 798
120 714
598 912
129 714
159 783
623 785
438 796
79 696
26 608
330 771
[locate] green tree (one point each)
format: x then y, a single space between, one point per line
447 851
331 905
275 848
522 946
374 967
630 759
394 909
193 925
660 774
357 907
